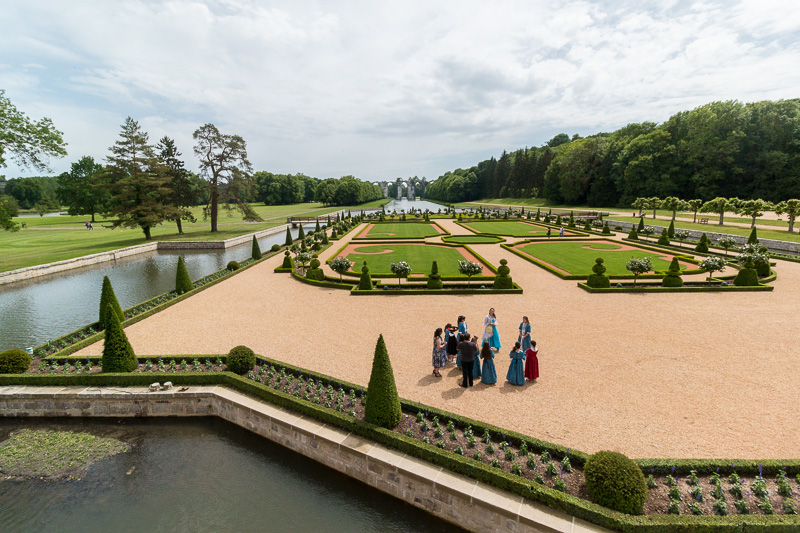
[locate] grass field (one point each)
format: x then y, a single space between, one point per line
712 227
472 239
577 260
418 256
512 228
48 239
400 230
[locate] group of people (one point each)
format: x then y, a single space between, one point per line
88 225
455 344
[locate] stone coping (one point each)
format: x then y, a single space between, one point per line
112 255
453 497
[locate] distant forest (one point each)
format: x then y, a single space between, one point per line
726 149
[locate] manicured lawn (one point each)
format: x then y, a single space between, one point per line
712 227
401 230
576 259
418 256
512 228
472 239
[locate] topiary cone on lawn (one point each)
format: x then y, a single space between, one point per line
383 402
118 354
183 283
256 254
108 298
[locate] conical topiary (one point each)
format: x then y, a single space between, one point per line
434 278
673 276
325 237
571 223
317 228
301 234
753 238
702 245
287 261
108 298
503 280
633 235
365 282
256 254
383 403
671 229
288 241
183 283
598 280
663 239
747 276
118 354
587 226
606 229
640 227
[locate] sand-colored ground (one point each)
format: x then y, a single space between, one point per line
652 375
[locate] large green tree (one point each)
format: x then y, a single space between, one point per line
224 163
181 188
81 189
29 143
753 208
791 208
138 182
718 205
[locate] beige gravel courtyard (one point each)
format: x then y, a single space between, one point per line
696 375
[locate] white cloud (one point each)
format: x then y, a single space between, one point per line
381 90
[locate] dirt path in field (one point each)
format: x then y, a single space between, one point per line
652 375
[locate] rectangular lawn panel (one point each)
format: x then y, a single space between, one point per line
577 258
419 257
513 228
400 230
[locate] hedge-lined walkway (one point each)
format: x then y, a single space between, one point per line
668 375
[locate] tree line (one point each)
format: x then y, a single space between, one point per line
284 189
721 149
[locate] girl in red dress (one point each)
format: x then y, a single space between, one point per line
531 362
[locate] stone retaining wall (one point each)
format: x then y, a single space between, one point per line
452 497
87 260
785 247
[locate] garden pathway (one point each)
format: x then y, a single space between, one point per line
660 375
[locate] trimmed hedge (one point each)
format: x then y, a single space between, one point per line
108 300
14 361
645 287
420 289
241 359
183 283
615 481
383 403
118 354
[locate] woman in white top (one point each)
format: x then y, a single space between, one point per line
490 330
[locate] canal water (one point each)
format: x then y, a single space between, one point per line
199 475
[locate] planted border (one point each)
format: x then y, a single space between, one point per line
376 223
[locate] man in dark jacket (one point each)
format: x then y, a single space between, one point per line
468 351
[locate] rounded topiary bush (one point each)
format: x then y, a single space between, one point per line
241 359
434 278
673 276
633 235
365 281
664 238
315 272
615 481
747 276
598 280
275 247
287 261
702 245
14 362
232 265
503 280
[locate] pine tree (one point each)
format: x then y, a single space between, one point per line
183 283
118 354
383 402
108 298
181 190
256 253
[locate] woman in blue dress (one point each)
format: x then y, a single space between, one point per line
489 374
476 363
516 370
462 330
490 330
525 334
439 352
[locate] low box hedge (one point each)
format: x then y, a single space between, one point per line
420 288
644 287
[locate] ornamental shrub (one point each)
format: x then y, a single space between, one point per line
633 235
702 245
615 481
571 223
434 278
256 253
118 354
753 238
606 229
325 237
241 359
503 280
365 282
671 229
598 280
183 283
301 234
383 403
640 227
314 271
587 226
664 238
232 265
288 241
673 276
275 248
287 260
747 276
109 299
317 228
14 362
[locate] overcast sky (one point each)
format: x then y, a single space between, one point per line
384 90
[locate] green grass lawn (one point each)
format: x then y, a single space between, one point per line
578 261
512 228
472 239
712 227
49 239
418 256
400 230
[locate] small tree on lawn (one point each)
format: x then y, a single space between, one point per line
713 264
118 354
681 235
753 209
647 231
183 283
401 270
340 265
303 258
639 266
256 251
791 208
109 300
383 402
727 243
694 206
469 269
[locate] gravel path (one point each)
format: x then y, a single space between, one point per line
697 375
